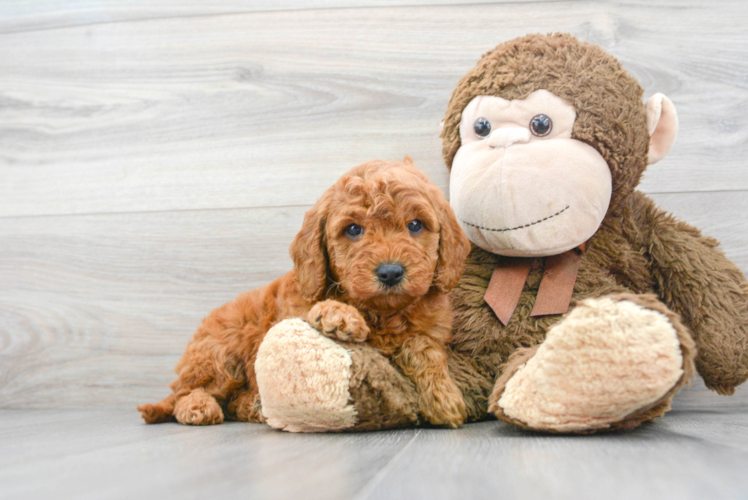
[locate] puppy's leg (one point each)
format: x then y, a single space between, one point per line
338 320
424 361
159 412
246 407
198 408
208 375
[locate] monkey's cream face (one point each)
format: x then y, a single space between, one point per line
520 185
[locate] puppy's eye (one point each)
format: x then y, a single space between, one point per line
415 226
353 231
541 125
482 127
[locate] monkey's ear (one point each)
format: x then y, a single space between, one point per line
662 124
454 247
309 253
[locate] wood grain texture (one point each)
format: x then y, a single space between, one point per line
111 454
267 109
92 308
114 455
28 15
156 160
687 455
96 309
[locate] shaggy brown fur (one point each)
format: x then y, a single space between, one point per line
335 287
638 250
608 101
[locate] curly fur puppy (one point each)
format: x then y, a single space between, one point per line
373 263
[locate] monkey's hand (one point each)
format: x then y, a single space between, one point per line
338 320
708 291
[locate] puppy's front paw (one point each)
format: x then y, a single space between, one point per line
444 406
338 320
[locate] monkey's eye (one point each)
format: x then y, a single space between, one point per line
415 226
541 125
482 127
353 231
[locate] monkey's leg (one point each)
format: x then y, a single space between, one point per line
611 363
311 383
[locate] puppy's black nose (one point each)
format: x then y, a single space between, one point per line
390 274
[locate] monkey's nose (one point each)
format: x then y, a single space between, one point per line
390 274
506 136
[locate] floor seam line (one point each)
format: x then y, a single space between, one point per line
374 482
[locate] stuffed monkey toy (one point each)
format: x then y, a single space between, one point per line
583 306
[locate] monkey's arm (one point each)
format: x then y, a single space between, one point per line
710 293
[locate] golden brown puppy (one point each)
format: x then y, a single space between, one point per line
373 263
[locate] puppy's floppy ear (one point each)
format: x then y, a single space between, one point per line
454 246
309 252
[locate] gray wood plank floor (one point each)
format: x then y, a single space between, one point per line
156 159
698 451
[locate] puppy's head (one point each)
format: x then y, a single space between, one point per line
383 235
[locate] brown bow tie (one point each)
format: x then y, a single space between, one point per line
554 293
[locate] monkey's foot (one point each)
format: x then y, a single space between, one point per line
198 408
611 363
303 379
310 383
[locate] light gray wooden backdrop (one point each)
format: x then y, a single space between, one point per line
156 157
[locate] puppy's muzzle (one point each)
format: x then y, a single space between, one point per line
390 274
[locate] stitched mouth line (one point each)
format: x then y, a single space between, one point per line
518 227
